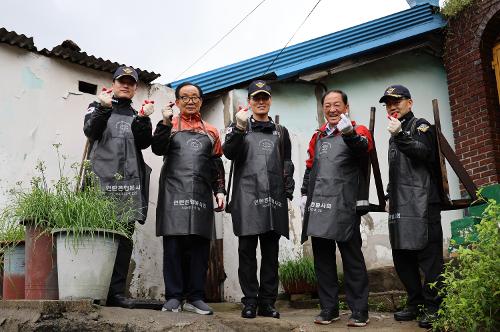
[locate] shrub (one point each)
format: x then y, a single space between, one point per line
453 7
471 283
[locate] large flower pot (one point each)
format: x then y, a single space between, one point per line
13 272
41 265
85 264
299 287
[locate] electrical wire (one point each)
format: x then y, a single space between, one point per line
221 39
288 42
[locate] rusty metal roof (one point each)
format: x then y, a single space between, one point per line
70 51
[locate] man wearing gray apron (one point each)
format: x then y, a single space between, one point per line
414 206
191 172
263 186
117 134
331 196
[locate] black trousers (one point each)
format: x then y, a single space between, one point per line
355 274
185 264
122 262
267 292
408 264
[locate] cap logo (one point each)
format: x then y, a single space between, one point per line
127 70
390 90
260 84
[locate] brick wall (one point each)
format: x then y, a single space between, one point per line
475 112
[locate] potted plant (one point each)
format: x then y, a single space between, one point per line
12 258
297 275
86 224
32 207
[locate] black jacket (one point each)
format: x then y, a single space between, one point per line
234 139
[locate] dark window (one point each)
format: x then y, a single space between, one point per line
87 87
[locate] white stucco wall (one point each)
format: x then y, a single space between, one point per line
40 105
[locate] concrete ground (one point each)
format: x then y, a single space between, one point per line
84 316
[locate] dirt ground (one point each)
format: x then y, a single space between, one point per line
84 316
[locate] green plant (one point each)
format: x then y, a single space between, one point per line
471 284
453 7
298 270
33 204
11 233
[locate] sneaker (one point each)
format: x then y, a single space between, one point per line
268 310
173 305
358 319
327 316
198 307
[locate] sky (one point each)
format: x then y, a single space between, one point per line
167 37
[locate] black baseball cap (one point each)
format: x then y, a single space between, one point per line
258 86
395 91
125 71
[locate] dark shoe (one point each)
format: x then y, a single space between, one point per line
268 310
427 318
358 319
249 311
119 300
327 316
407 314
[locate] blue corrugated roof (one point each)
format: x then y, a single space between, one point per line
321 51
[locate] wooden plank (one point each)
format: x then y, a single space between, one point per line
376 169
214 291
443 175
455 164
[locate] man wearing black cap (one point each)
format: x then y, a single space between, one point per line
263 182
414 206
117 134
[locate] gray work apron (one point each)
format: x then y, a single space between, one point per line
409 187
333 191
185 203
115 162
259 203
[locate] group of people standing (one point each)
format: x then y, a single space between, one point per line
334 196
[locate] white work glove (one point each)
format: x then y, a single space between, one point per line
303 201
168 114
105 97
345 125
394 126
148 107
242 119
220 199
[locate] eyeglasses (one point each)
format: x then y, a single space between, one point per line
328 107
186 99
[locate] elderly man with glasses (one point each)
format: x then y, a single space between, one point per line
191 172
332 197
